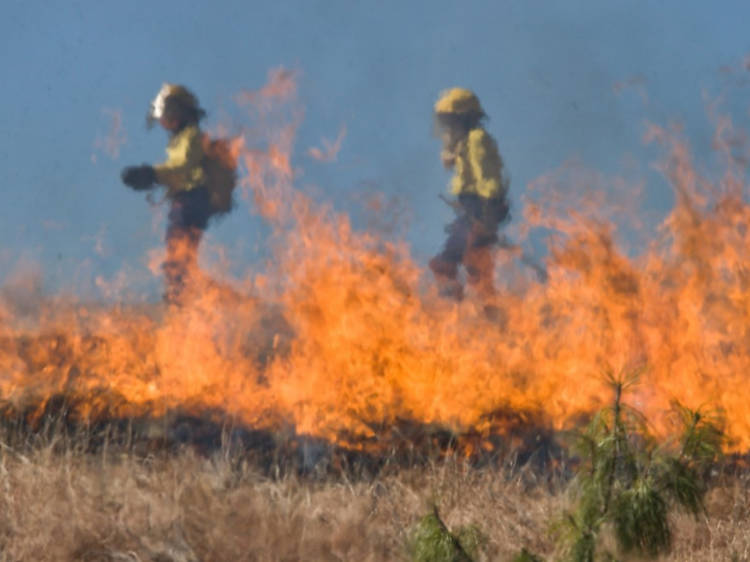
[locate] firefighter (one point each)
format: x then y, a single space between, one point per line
480 190
183 174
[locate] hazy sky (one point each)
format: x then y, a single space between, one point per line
560 81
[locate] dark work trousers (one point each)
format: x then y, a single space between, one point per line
187 219
470 239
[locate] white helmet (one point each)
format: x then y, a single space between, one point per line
173 96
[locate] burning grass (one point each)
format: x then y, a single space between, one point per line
198 431
514 438
340 337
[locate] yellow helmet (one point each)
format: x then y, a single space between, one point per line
458 100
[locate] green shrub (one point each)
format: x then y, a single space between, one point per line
627 483
526 556
432 541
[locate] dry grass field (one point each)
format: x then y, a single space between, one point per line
60 501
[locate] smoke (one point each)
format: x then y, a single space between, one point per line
22 292
636 83
113 139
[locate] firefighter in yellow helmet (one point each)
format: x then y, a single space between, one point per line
480 189
183 174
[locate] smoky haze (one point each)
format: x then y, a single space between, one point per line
561 82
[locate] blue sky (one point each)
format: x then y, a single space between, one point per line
545 73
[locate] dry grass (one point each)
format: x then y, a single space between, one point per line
59 503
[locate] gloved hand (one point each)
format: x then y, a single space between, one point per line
139 178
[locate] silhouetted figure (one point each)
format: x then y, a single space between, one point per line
480 189
199 176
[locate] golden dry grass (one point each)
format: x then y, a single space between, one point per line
59 503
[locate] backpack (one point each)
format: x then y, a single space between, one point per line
220 167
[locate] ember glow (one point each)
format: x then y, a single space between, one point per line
342 331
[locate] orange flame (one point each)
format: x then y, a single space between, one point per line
330 149
341 335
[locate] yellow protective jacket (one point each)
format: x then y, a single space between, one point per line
478 167
183 169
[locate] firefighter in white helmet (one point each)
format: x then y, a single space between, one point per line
185 174
480 190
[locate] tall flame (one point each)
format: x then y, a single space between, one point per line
342 332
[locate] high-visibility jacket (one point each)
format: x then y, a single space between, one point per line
183 169
478 167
